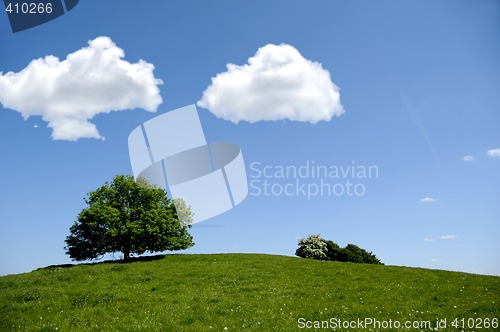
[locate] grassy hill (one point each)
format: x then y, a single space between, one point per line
237 292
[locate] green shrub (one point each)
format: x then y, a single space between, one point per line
353 253
313 247
316 247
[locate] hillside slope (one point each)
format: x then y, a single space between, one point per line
237 292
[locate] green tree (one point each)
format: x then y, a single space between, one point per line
128 217
313 247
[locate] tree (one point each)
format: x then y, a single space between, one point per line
313 247
128 217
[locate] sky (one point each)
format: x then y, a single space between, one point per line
407 89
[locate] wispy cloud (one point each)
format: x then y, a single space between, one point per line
442 237
448 237
468 158
68 93
494 153
435 260
427 200
422 131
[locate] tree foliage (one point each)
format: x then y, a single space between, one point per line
353 253
312 247
316 247
128 217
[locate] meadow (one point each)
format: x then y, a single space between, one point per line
236 292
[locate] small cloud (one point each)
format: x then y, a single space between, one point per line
448 237
278 83
427 200
468 158
435 260
494 153
67 94
35 126
428 239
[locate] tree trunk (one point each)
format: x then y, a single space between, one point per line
126 255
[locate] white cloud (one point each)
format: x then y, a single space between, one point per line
435 260
69 93
494 153
468 158
427 200
442 237
35 126
276 84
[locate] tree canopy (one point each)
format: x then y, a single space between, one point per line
128 217
314 247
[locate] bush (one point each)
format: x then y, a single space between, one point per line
354 254
316 247
334 250
313 247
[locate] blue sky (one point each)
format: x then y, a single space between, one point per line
419 83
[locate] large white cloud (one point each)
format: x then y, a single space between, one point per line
278 83
68 94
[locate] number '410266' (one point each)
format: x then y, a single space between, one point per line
29 8
475 323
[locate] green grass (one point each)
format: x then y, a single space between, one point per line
236 292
